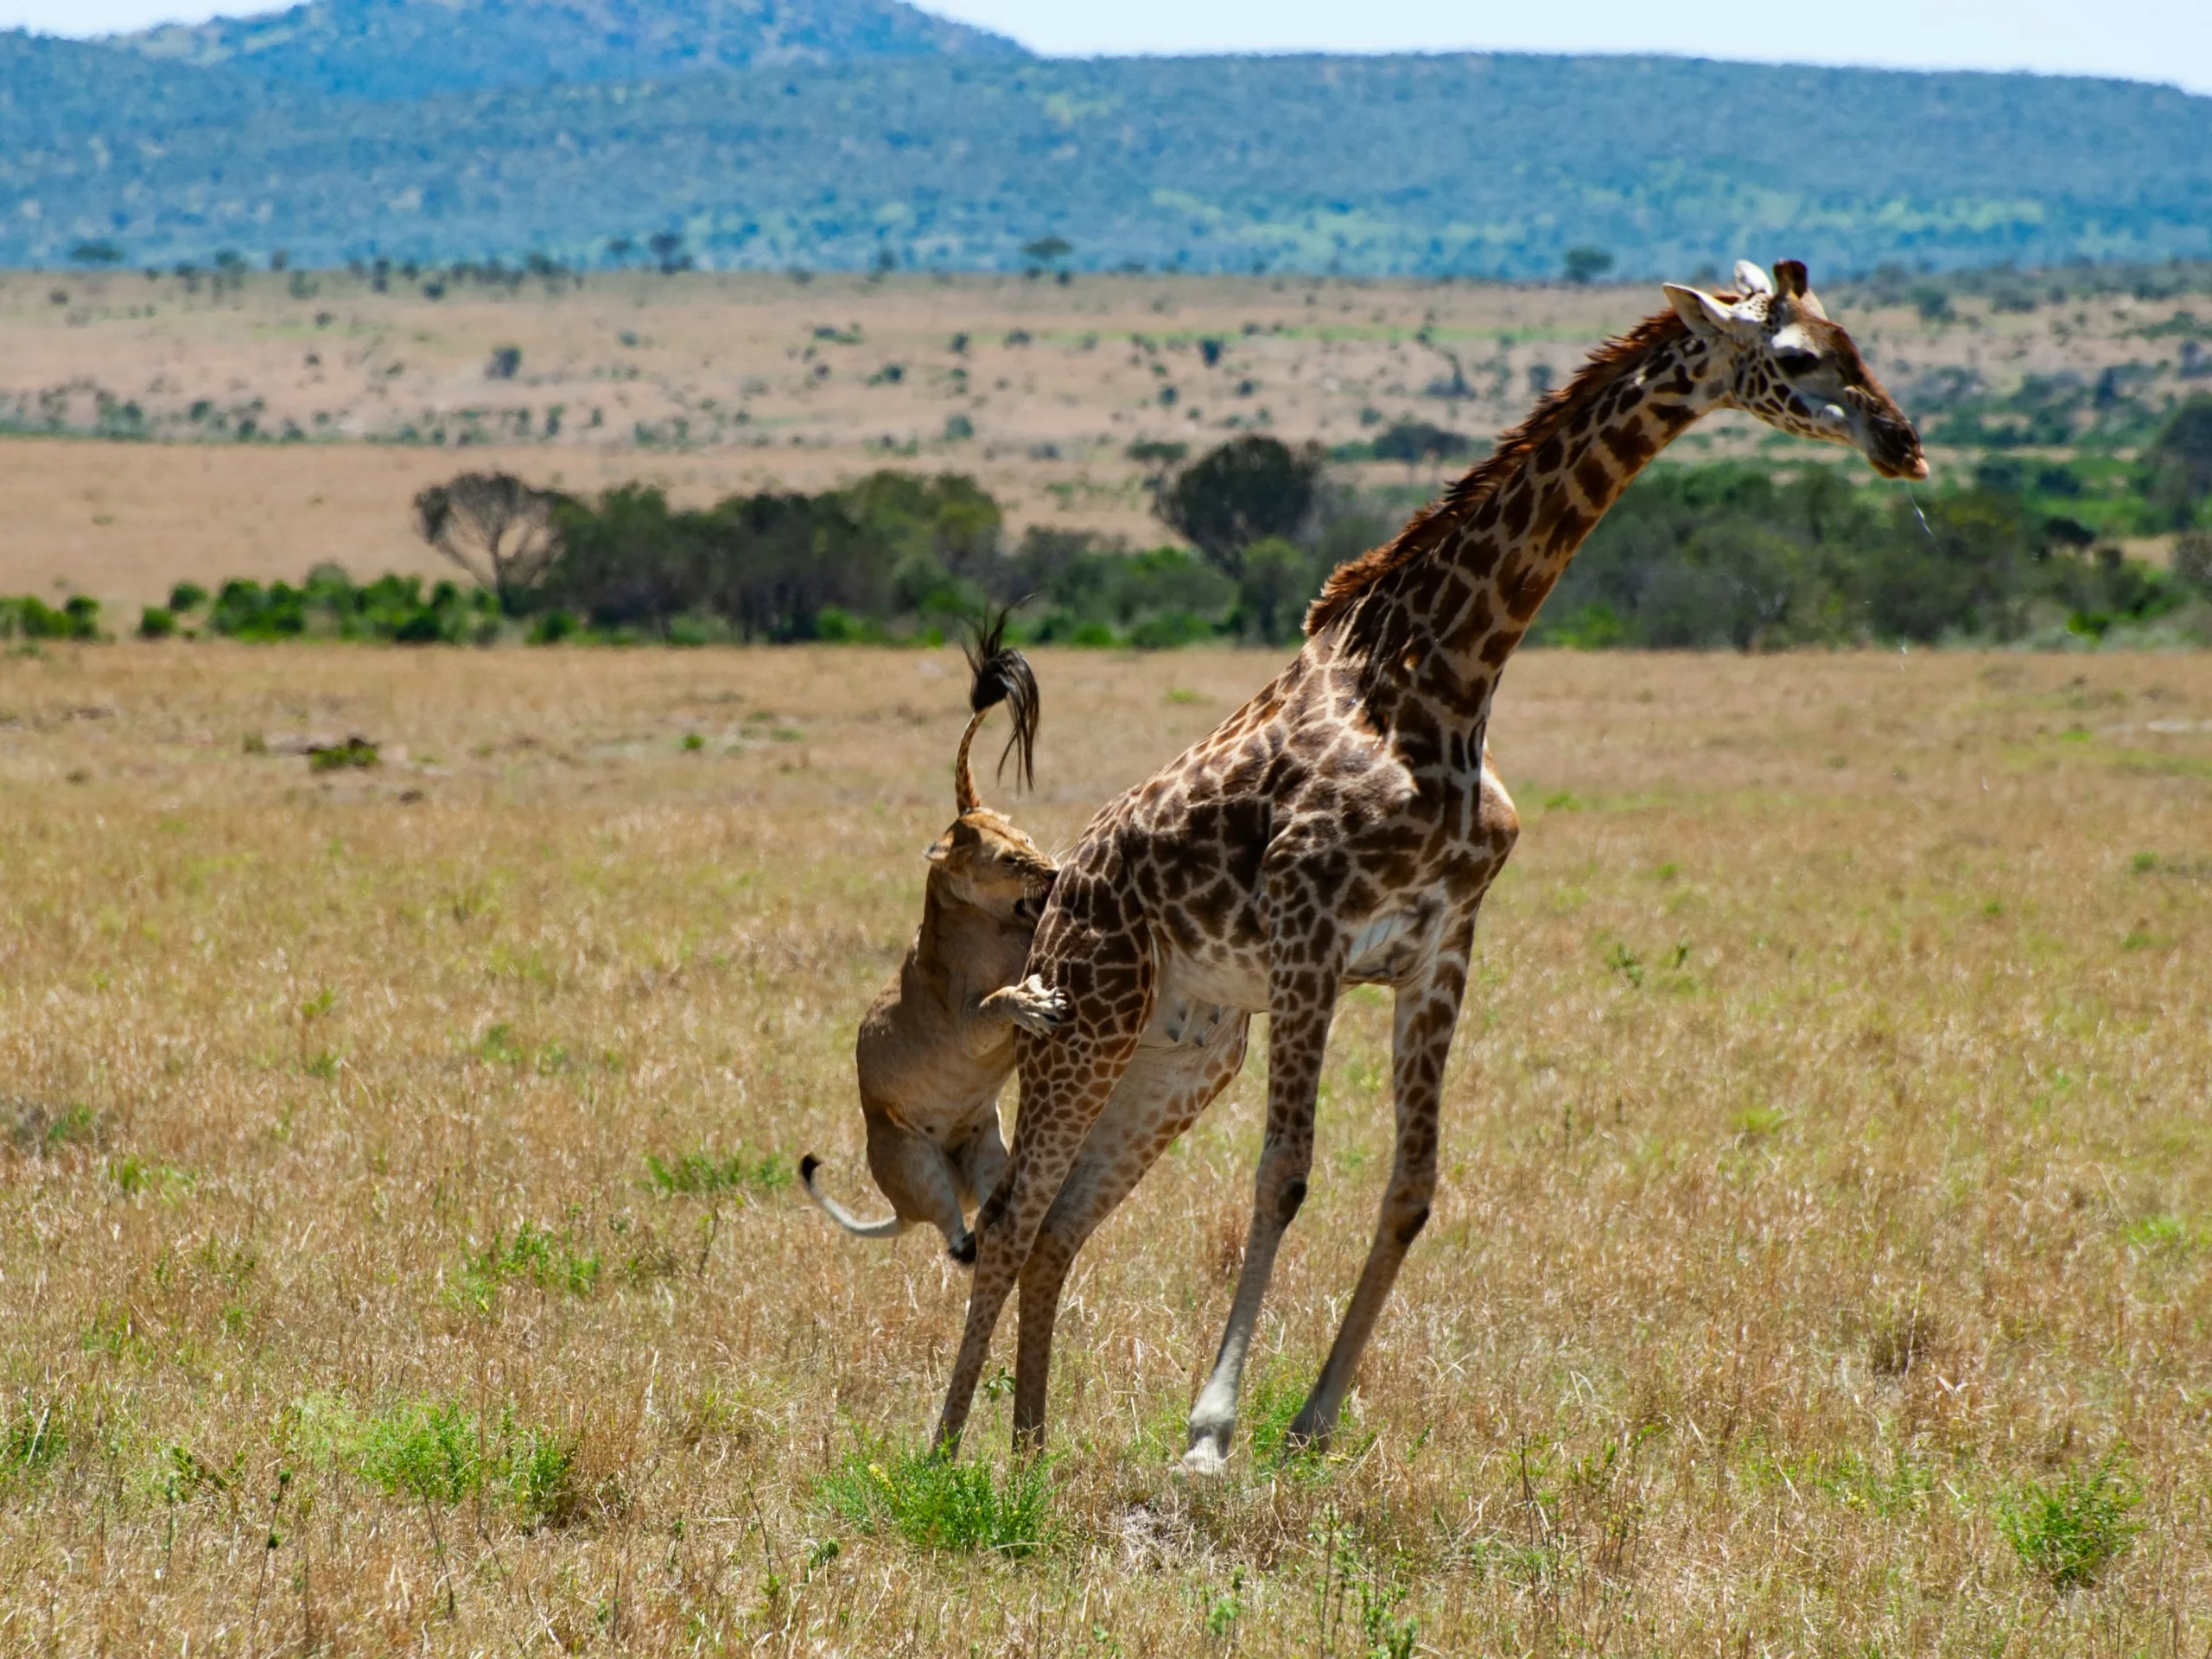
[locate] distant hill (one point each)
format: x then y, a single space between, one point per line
397 49
1484 165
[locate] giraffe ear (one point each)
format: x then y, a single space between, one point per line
1751 280
1706 316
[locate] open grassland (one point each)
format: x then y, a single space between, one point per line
171 427
397 1250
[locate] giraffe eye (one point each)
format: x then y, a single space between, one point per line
1795 362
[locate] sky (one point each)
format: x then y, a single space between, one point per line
2166 40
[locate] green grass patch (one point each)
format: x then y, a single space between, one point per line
2067 1532
935 1502
556 1262
706 1174
133 1175
437 1453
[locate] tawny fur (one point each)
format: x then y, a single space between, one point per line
937 1045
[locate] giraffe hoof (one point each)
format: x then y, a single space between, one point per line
1206 1458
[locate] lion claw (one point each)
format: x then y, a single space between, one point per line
1038 1008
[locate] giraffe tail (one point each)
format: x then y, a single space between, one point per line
998 674
891 1227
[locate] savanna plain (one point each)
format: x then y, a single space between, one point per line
399 1250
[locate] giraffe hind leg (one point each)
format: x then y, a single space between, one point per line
1161 1094
1067 1080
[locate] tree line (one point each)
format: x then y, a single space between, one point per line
1729 555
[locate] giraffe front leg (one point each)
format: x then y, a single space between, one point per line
1426 1014
1298 1036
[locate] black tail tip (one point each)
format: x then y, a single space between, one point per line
964 1252
807 1166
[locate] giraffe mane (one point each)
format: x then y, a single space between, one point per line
1434 526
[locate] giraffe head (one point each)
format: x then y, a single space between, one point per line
1794 369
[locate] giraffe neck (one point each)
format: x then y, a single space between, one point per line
1440 609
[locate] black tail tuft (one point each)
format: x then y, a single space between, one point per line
807 1166
1001 674
964 1251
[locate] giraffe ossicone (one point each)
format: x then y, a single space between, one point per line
1340 829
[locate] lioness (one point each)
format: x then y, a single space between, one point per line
937 1044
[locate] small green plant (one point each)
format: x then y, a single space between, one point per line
133 1175
541 1478
1224 1609
693 743
156 622
555 1262
498 1046
72 1126
934 1502
703 1174
2068 1532
1626 963
1757 1122
32 1437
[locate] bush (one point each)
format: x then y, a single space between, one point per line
1414 442
328 606
156 622
32 618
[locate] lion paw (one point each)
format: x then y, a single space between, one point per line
1036 1006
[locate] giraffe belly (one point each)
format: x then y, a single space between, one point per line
1391 946
1226 980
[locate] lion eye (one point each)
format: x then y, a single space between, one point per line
1795 362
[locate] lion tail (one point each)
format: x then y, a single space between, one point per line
890 1227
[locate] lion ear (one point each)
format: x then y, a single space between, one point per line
939 852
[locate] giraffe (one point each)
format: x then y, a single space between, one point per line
1342 829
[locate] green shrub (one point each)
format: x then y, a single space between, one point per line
422 1451
2067 1532
934 1502
541 1478
156 622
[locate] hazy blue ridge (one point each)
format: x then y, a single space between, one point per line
397 50
1487 165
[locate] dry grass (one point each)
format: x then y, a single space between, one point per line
1828 1193
715 383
